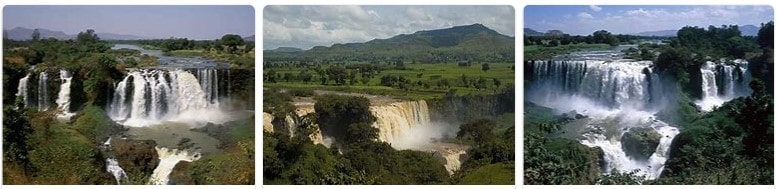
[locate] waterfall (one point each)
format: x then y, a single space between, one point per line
616 94
112 166
22 90
146 97
452 158
396 119
63 98
609 83
722 82
167 160
43 92
209 80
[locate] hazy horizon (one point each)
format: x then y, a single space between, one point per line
149 21
305 26
631 19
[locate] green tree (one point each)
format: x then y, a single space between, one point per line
603 36
346 118
485 67
232 41
16 131
35 35
479 131
766 35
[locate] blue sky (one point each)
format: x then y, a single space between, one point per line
585 19
307 26
194 22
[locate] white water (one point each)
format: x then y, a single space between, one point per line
22 90
43 92
395 120
160 95
167 160
610 83
616 94
452 158
112 166
715 93
63 98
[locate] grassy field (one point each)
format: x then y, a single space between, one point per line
538 52
240 60
500 173
429 73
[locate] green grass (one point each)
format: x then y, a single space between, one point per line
500 173
185 53
430 73
243 130
538 52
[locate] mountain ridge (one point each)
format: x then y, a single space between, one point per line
474 41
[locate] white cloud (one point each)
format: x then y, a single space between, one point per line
584 15
639 12
308 26
595 8
635 20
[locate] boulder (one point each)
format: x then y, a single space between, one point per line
136 157
640 143
180 174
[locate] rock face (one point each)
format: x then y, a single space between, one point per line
136 156
267 126
180 175
640 143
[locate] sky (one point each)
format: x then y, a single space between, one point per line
307 26
584 20
193 22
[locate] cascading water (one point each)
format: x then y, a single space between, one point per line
617 95
43 92
210 84
722 82
396 119
63 98
112 165
167 160
146 97
22 91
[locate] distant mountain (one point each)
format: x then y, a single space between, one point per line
749 30
531 32
659 33
250 38
20 33
459 42
112 36
286 49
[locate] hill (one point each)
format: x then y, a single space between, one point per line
20 33
459 43
531 32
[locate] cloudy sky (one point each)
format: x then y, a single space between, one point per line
584 20
193 22
308 26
